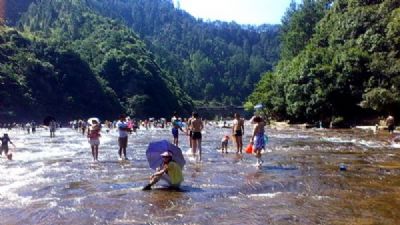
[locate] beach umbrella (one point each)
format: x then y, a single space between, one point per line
258 107
93 118
48 119
155 149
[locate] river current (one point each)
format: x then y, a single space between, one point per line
54 181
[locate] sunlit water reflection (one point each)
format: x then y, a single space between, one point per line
53 181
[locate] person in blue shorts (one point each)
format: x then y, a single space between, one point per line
176 126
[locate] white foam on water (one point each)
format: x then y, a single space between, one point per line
395 145
288 136
319 197
265 195
337 140
361 143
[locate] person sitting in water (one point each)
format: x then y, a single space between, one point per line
169 171
224 144
4 144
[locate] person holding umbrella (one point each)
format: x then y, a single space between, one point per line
169 171
167 160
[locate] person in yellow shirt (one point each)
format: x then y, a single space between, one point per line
169 171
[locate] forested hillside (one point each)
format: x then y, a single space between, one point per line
213 61
38 80
13 9
346 66
122 66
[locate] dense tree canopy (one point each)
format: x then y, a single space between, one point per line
38 80
347 65
212 61
114 53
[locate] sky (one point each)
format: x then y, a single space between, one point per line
254 12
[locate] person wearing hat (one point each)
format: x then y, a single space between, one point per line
169 171
93 133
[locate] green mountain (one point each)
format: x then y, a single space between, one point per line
212 61
117 59
13 9
345 68
37 79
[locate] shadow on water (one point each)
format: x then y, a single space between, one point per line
277 168
182 189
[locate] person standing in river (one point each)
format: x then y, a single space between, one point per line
238 132
28 127
33 127
257 138
4 144
176 126
52 127
93 133
123 129
83 127
390 123
189 131
196 127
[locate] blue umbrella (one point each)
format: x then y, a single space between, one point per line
155 149
258 106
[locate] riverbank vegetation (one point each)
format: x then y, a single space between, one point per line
340 62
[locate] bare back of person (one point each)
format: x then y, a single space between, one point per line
197 125
238 132
259 128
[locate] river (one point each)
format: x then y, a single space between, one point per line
53 181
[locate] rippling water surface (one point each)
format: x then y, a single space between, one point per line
53 181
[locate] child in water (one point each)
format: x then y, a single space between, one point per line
4 146
224 144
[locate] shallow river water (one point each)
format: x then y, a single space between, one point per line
53 181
